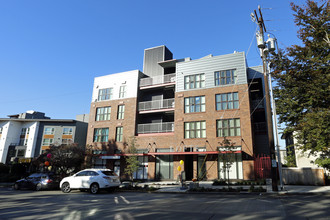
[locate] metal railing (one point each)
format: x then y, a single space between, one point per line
157 104
260 127
157 80
258 103
156 128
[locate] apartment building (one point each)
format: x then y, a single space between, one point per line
180 109
26 135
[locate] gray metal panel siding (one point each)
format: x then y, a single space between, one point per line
209 65
151 58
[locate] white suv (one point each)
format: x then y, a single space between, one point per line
90 179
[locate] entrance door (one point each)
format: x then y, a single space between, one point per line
164 166
234 163
201 167
189 167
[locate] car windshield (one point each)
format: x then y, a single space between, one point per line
109 173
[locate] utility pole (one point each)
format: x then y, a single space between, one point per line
261 45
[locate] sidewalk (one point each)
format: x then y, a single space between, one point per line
172 186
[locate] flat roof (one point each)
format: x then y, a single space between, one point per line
35 119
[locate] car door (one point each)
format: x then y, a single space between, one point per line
80 180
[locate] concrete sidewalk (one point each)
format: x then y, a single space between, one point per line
175 187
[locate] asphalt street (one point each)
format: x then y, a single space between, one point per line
25 204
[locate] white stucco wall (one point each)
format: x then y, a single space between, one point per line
129 78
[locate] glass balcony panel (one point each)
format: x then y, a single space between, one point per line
157 104
149 81
156 128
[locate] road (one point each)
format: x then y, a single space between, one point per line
26 204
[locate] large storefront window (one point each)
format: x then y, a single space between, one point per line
142 172
164 165
97 161
201 164
230 164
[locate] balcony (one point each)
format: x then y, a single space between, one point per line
257 104
156 105
260 128
158 80
164 127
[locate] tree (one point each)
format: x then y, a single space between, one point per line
64 158
302 77
132 162
228 158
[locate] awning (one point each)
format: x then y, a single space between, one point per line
104 156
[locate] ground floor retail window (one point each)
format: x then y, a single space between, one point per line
201 164
97 161
164 165
142 172
230 164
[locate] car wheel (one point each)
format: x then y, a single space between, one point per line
66 187
16 186
94 188
38 187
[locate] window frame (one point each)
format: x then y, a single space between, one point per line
101 135
119 133
46 132
226 100
121 112
105 94
102 115
195 129
226 130
51 141
68 141
70 131
122 91
223 78
190 105
195 81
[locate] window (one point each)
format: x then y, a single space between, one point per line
20 153
228 127
66 141
230 166
225 77
24 136
122 92
196 129
1 130
101 134
121 111
103 114
227 101
105 94
47 141
119 134
49 131
67 131
25 131
194 81
194 104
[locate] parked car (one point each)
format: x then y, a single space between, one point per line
91 179
38 181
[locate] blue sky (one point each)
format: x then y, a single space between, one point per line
50 51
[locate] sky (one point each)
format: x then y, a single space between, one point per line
51 51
